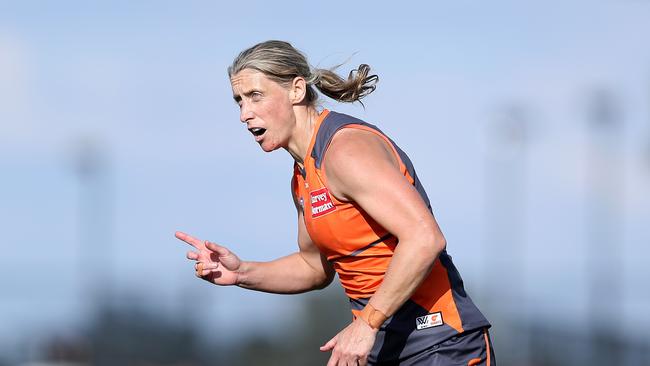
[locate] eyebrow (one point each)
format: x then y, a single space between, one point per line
237 97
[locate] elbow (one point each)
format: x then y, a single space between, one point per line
324 281
439 243
433 245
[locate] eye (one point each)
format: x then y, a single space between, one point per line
256 96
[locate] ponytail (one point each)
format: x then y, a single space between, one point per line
356 86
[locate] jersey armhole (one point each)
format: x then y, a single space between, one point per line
322 174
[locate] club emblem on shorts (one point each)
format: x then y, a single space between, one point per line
428 321
321 203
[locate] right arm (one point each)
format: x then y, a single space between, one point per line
299 272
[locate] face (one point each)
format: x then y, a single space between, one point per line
265 107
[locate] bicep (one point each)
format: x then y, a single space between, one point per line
361 167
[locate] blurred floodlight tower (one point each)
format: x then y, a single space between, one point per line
604 231
505 198
95 221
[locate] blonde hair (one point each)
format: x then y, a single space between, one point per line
281 62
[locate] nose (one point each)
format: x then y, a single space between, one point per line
245 113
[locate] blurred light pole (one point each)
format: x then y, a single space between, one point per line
604 230
95 222
505 217
646 153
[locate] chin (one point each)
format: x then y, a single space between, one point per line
269 148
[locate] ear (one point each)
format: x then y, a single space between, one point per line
298 90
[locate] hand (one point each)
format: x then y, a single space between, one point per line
214 263
352 345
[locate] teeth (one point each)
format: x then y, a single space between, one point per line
257 131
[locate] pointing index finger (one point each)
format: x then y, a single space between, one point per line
196 243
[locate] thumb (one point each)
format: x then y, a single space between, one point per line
228 259
329 345
221 251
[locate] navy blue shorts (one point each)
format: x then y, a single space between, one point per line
473 348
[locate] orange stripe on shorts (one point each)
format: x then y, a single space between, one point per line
487 346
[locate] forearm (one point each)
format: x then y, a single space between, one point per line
287 275
411 264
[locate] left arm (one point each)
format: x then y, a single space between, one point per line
361 167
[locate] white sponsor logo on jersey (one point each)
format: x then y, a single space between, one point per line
428 321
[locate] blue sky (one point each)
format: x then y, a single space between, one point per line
146 82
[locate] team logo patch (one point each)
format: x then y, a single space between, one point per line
321 203
428 321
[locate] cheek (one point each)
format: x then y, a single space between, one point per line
278 114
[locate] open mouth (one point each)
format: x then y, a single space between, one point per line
257 131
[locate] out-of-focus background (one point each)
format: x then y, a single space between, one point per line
528 123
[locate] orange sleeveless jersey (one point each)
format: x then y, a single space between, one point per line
360 249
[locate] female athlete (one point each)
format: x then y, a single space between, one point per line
362 213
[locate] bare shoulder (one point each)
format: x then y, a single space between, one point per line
352 146
355 157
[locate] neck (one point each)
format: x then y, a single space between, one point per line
305 125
